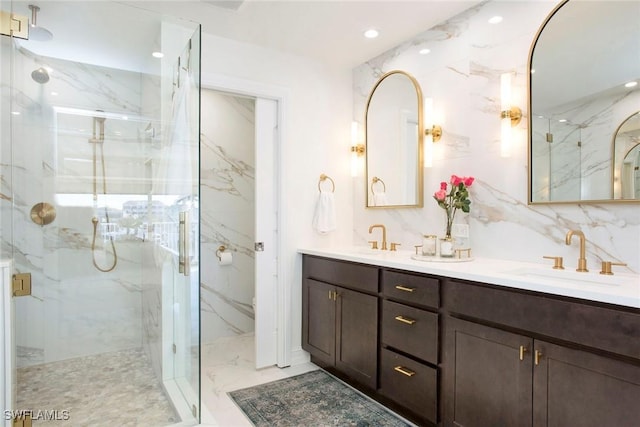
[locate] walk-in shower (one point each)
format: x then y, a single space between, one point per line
110 333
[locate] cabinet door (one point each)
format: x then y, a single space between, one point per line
319 320
357 336
573 387
486 382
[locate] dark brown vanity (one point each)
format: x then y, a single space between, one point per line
445 351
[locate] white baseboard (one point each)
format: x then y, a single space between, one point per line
299 357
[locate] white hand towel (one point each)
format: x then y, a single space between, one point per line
380 199
324 217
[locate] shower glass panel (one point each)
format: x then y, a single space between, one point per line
101 208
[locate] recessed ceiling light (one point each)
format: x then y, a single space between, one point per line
424 51
562 120
15 113
495 20
371 34
54 93
631 84
157 54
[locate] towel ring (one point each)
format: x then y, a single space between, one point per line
324 177
374 180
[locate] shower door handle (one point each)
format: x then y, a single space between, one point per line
184 263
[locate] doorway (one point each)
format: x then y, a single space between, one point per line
238 179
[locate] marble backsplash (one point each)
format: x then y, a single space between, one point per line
462 75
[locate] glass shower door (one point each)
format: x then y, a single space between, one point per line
96 194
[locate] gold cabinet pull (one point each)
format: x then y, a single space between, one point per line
523 350
406 320
537 357
404 371
405 288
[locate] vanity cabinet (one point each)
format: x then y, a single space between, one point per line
443 351
340 317
520 359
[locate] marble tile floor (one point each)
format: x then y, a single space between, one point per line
229 364
110 389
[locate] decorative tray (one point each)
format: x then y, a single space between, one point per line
440 259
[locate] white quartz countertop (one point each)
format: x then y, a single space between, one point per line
620 289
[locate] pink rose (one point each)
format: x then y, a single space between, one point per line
455 180
440 195
443 185
468 181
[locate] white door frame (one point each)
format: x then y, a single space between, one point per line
280 95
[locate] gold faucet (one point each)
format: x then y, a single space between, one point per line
582 261
384 234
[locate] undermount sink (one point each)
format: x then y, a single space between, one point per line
574 277
367 251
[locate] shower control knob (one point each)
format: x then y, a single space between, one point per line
259 246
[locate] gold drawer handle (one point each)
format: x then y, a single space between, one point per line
404 371
406 320
405 288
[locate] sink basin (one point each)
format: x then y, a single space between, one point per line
366 251
576 278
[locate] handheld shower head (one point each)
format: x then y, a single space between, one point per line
41 75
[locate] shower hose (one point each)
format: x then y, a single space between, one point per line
99 140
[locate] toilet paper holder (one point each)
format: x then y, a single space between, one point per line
219 252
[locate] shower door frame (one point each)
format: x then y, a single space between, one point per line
280 95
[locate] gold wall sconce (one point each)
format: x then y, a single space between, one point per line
510 115
357 149
432 132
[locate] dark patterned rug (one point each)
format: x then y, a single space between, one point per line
312 399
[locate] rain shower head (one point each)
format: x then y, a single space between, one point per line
35 32
41 75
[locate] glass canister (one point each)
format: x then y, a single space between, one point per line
446 247
429 245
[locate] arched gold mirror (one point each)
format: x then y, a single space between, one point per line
626 159
584 82
393 133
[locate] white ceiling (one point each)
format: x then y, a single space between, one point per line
326 30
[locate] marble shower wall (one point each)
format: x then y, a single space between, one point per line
227 205
462 75
74 309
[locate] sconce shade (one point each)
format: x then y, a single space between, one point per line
357 150
509 115
432 133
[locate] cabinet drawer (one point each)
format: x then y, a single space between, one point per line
410 330
410 384
411 288
346 274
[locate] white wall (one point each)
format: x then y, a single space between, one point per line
316 138
462 74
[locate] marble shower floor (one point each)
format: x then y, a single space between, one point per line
112 389
120 389
229 364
